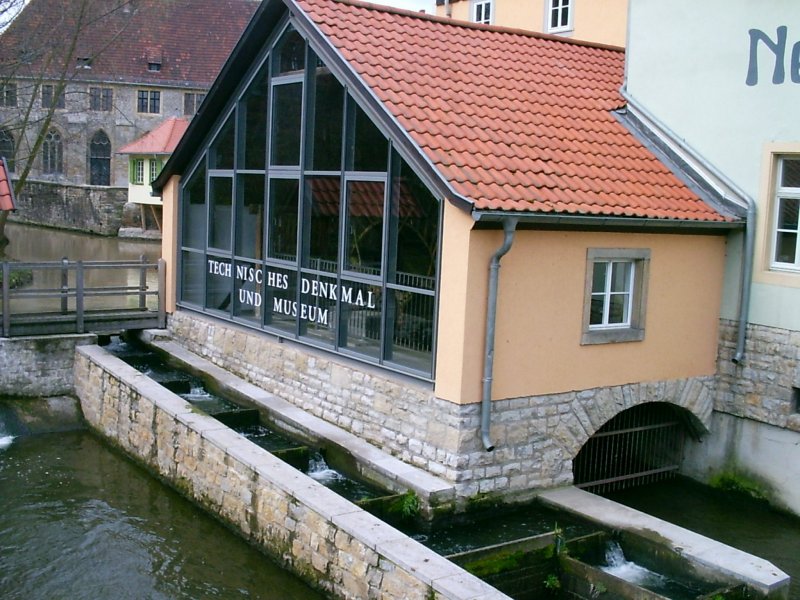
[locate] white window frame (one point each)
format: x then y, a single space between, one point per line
632 329
138 171
557 8
153 169
482 5
790 194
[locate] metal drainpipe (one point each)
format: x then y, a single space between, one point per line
747 281
509 226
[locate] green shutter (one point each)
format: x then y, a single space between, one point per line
131 170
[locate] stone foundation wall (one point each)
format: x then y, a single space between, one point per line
83 208
762 387
309 529
39 366
536 438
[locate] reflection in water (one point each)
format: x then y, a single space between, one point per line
79 521
30 243
37 244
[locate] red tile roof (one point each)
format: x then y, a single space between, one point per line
514 121
190 38
161 140
6 188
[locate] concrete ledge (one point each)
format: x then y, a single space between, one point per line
373 463
711 558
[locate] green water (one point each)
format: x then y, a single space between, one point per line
78 520
738 521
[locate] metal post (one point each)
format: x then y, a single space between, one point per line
64 285
6 301
143 283
79 296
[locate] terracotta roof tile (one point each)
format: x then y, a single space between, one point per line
7 201
514 121
161 140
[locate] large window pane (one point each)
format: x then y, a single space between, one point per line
328 106
194 211
221 151
282 236
253 123
192 277
360 322
790 176
370 148
415 231
250 216
410 321
317 311
289 53
280 299
219 283
248 291
364 226
219 235
286 122
323 228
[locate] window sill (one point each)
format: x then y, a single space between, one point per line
611 336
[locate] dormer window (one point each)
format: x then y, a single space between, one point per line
154 66
83 62
155 59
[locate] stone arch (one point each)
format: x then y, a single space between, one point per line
53 153
7 147
591 409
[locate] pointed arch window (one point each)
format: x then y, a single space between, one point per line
100 159
7 147
52 153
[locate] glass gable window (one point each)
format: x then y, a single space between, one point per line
302 220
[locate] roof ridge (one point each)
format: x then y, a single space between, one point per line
479 26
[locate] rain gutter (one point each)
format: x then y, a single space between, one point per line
703 167
509 226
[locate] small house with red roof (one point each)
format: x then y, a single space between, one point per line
146 157
473 260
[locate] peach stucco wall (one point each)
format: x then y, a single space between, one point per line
601 21
169 238
540 312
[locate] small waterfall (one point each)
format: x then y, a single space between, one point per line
619 566
319 470
5 437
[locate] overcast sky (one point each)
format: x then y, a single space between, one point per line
429 6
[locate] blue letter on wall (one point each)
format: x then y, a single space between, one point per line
778 48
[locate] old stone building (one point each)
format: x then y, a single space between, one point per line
76 88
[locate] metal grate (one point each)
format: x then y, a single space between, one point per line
640 445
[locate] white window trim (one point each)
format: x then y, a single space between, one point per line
473 7
138 171
633 330
792 193
548 13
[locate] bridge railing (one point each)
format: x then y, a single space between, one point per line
91 295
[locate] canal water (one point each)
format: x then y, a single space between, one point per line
78 520
731 518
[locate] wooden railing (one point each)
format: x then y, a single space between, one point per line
82 296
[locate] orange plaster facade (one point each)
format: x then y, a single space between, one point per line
540 312
169 238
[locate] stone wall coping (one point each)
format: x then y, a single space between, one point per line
420 562
698 549
391 468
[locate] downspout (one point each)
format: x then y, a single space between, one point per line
509 226
747 280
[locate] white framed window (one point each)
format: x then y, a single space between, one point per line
154 169
786 225
482 11
559 16
615 288
138 172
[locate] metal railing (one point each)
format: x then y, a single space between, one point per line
80 296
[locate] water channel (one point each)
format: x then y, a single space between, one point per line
79 520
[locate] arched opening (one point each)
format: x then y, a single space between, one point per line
640 445
52 153
7 147
100 159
